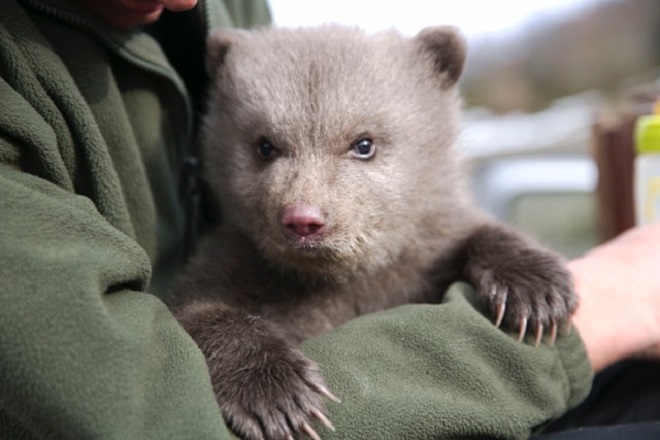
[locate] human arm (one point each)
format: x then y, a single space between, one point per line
619 287
445 371
86 353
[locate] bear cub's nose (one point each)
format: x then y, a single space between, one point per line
302 221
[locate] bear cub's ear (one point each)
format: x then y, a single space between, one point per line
218 44
446 48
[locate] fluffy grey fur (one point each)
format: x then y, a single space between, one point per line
331 153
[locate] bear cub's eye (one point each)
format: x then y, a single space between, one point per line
363 148
266 150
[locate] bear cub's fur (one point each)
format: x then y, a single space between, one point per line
331 154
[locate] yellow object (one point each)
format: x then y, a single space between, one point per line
647 132
647 168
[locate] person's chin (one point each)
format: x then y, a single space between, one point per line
128 18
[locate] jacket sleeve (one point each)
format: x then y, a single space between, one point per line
85 353
445 371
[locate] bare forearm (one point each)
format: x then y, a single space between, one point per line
618 283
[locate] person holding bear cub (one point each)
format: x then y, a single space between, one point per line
99 112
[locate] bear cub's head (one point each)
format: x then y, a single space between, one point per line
331 149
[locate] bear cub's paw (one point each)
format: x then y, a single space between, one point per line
523 285
275 396
265 386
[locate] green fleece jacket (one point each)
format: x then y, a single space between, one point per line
94 128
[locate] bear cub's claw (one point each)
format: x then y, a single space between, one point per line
523 285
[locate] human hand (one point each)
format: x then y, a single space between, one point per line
618 284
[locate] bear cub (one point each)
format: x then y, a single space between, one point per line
331 154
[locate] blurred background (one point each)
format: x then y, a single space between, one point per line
552 90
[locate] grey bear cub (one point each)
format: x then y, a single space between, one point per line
331 153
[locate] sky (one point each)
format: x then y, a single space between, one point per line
475 18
